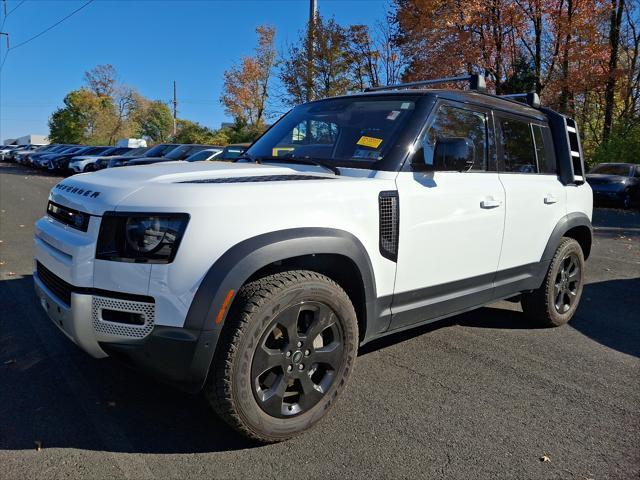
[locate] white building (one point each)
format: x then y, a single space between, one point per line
31 139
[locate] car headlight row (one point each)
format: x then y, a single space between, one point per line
140 238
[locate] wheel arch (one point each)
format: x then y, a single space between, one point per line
575 225
332 252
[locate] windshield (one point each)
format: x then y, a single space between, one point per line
357 131
184 151
621 170
160 150
201 155
136 152
230 153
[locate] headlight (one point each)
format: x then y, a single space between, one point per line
140 238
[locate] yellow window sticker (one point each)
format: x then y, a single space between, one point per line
369 142
278 150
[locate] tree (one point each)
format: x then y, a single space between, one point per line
331 68
193 132
246 86
102 80
85 118
617 9
154 120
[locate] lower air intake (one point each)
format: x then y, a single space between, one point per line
115 319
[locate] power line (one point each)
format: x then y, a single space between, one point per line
15 8
42 32
52 26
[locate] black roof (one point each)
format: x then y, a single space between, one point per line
464 96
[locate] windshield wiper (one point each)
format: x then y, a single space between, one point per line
304 160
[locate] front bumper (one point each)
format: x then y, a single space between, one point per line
178 356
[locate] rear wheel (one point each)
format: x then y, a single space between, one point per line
89 168
287 350
555 302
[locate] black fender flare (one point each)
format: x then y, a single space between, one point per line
242 260
566 223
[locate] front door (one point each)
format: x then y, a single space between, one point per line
451 224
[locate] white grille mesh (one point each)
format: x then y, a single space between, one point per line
122 330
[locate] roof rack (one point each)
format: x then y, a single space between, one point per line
532 99
476 82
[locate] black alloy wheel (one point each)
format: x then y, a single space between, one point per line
296 360
567 283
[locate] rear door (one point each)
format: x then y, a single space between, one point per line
451 223
535 197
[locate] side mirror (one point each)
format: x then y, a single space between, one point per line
453 154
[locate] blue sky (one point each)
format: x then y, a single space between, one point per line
151 43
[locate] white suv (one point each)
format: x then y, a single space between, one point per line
350 218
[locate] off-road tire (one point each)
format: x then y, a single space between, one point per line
540 305
229 387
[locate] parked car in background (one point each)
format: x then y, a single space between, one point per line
60 163
156 151
615 183
41 159
179 153
23 150
205 155
103 161
232 152
88 163
5 150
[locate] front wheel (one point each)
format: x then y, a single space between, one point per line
555 302
285 355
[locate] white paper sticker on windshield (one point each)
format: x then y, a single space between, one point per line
393 115
405 105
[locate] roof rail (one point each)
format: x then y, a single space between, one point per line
532 99
476 82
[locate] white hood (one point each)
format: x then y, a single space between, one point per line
104 190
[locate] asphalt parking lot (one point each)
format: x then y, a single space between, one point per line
481 395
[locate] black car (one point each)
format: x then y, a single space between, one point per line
232 152
615 183
133 153
179 153
60 163
156 151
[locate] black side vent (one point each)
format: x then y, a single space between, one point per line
389 210
260 178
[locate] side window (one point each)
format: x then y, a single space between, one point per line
458 122
544 149
518 149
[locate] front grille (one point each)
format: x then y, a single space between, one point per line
389 211
69 216
55 284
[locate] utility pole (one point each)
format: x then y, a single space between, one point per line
175 110
313 11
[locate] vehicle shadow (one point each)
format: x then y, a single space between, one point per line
608 314
53 393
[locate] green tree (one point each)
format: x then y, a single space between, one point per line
193 132
331 70
85 118
154 120
623 145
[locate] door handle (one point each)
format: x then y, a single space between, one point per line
549 199
490 203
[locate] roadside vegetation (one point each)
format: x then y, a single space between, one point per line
581 56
